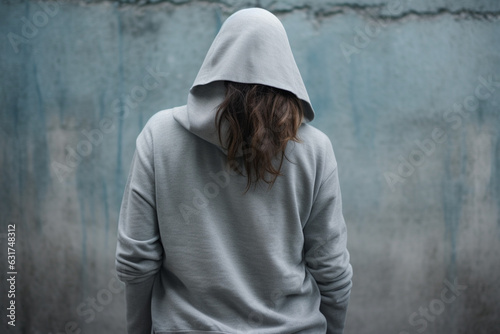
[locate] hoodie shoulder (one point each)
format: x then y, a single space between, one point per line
160 128
161 118
314 133
318 147
314 137
162 122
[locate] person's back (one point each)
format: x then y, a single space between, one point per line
205 244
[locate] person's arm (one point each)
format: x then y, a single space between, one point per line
139 250
325 251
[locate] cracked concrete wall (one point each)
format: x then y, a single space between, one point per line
407 90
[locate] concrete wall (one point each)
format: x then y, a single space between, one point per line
389 79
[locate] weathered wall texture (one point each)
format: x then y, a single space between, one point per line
407 90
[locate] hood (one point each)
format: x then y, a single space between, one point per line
251 47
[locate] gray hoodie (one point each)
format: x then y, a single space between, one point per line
198 255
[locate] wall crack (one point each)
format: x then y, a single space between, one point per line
378 11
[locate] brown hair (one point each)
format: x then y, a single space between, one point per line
261 120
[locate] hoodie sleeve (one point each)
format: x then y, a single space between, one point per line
139 250
325 251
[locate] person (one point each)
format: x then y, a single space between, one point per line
231 220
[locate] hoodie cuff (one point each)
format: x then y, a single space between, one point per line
138 299
335 315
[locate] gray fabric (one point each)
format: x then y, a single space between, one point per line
251 47
197 255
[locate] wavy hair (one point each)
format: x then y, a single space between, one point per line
261 120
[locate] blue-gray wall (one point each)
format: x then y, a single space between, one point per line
389 79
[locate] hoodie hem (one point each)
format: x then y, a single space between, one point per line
189 331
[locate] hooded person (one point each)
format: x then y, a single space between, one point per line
204 246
